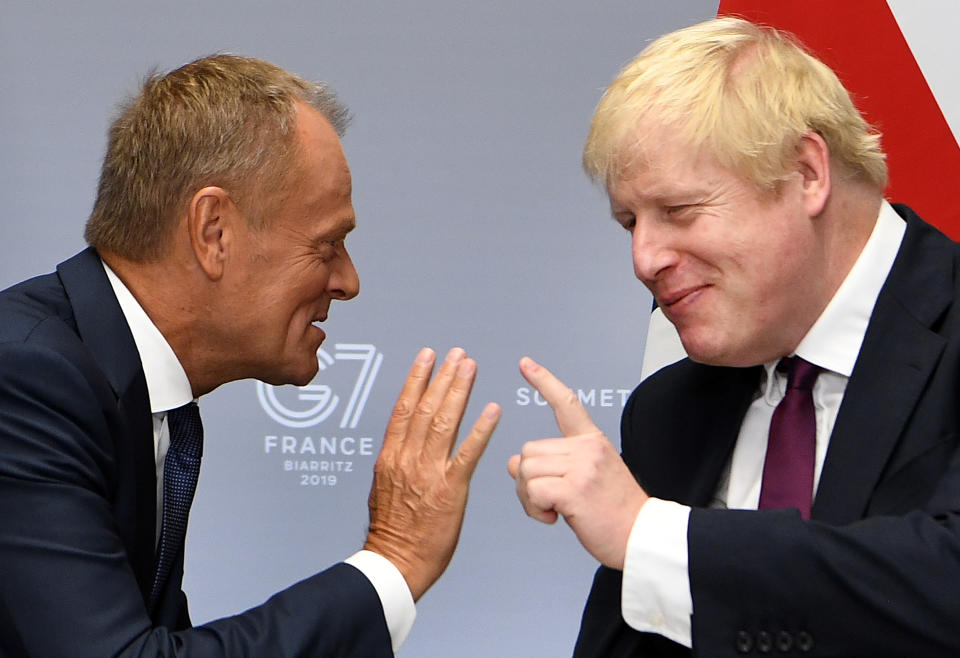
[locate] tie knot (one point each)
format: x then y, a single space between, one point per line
186 430
800 374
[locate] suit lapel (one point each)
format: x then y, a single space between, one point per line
104 331
898 356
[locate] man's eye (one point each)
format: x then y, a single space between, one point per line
682 210
329 249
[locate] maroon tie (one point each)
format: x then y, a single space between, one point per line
792 445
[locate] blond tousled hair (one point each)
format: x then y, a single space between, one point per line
222 120
742 93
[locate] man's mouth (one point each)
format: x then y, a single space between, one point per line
673 297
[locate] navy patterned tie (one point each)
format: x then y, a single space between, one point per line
792 444
180 469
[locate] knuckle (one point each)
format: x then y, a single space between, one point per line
596 443
587 477
403 409
441 424
425 409
383 465
465 456
522 469
523 477
535 492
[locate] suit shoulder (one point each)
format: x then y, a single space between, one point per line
677 398
37 326
29 304
681 380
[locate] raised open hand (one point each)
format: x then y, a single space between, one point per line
419 490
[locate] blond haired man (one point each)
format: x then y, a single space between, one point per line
746 515
217 246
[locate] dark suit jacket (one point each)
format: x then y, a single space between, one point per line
876 572
78 502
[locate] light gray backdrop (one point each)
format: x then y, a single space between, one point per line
476 228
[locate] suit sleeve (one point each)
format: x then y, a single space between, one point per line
882 586
66 585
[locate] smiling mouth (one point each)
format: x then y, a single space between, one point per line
677 296
316 325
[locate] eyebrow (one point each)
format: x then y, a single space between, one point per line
342 227
667 195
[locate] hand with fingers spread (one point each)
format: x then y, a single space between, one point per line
580 477
419 491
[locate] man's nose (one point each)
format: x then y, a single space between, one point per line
652 251
344 282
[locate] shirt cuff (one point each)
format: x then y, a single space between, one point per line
398 607
656 583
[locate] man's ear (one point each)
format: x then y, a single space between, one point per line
813 158
211 221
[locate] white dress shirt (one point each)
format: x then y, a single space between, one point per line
656 582
169 388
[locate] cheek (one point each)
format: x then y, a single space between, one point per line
304 297
780 289
794 263
298 314
770 287
776 258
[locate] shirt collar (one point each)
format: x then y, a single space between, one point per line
167 383
834 340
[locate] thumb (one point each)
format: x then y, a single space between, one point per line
513 466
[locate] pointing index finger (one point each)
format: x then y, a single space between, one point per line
572 418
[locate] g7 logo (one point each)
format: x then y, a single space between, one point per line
324 400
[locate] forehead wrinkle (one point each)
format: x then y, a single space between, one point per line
680 175
332 199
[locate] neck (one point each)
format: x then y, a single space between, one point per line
850 217
844 226
160 288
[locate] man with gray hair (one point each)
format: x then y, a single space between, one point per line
217 243
793 486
